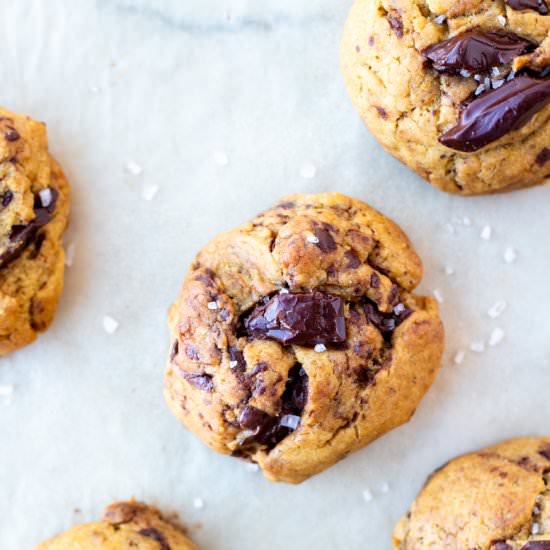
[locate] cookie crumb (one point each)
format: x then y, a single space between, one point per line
496 337
486 233
134 168
221 158
497 309
308 171
110 325
477 347
320 348
198 503
510 255
149 192
69 254
459 357
367 495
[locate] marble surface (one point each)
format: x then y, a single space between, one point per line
178 88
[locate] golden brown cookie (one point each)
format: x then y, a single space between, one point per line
457 90
495 499
34 209
297 338
125 526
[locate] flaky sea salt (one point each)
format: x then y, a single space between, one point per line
477 347
320 348
212 305
367 495
449 270
385 488
496 337
149 192
46 197
535 529
252 467
510 255
233 364
459 357
308 171
312 239
438 295
134 168
486 233
464 73
221 158
440 19
498 83
69 254
466 222
291 421
110 325
497 309
502 20
198 503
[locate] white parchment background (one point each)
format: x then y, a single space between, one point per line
167 84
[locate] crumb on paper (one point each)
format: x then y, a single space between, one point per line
497 309
308 171
496 337
110 325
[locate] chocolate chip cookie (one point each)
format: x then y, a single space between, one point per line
296 338
458 91
34 208
125 526
495 499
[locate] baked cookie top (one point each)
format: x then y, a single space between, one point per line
125 525
34 208
297 338
459 91
494 499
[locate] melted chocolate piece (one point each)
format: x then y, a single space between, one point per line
156 535
6 198
545 452
501 546
477 51
543 157
495 113
386 323
326 241
538 5
268 429
396 23
11 134
537 545
200 381
303 319
238 356
22 236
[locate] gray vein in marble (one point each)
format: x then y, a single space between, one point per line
242 24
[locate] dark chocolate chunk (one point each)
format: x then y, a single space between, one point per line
375 280
538 5
477 51
545 452
156 535
22 236
501 546
269 430
495 113
386 323
11 134
396 23
543 157
303 319
537 545
237 356
6 198
326 241
200 381
174 350
352 260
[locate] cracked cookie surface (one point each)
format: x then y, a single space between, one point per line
495 499
296 338
125 525
34 209
455 123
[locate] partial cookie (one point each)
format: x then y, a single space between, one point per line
125 526
34 209
458 91
296 338
495 499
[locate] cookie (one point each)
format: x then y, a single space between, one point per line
495 499
458 91
297 338
125 526
34 209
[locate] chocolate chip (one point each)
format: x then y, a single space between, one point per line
286 205
6 198
238 356
495 113
375 281
174 350
156 535
386 323
267 429
200 381
501 546
396 23
382 112
352 260
538 5
11 134
543 157
545 452
304 319
326 241
371 41
476 51
537 545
